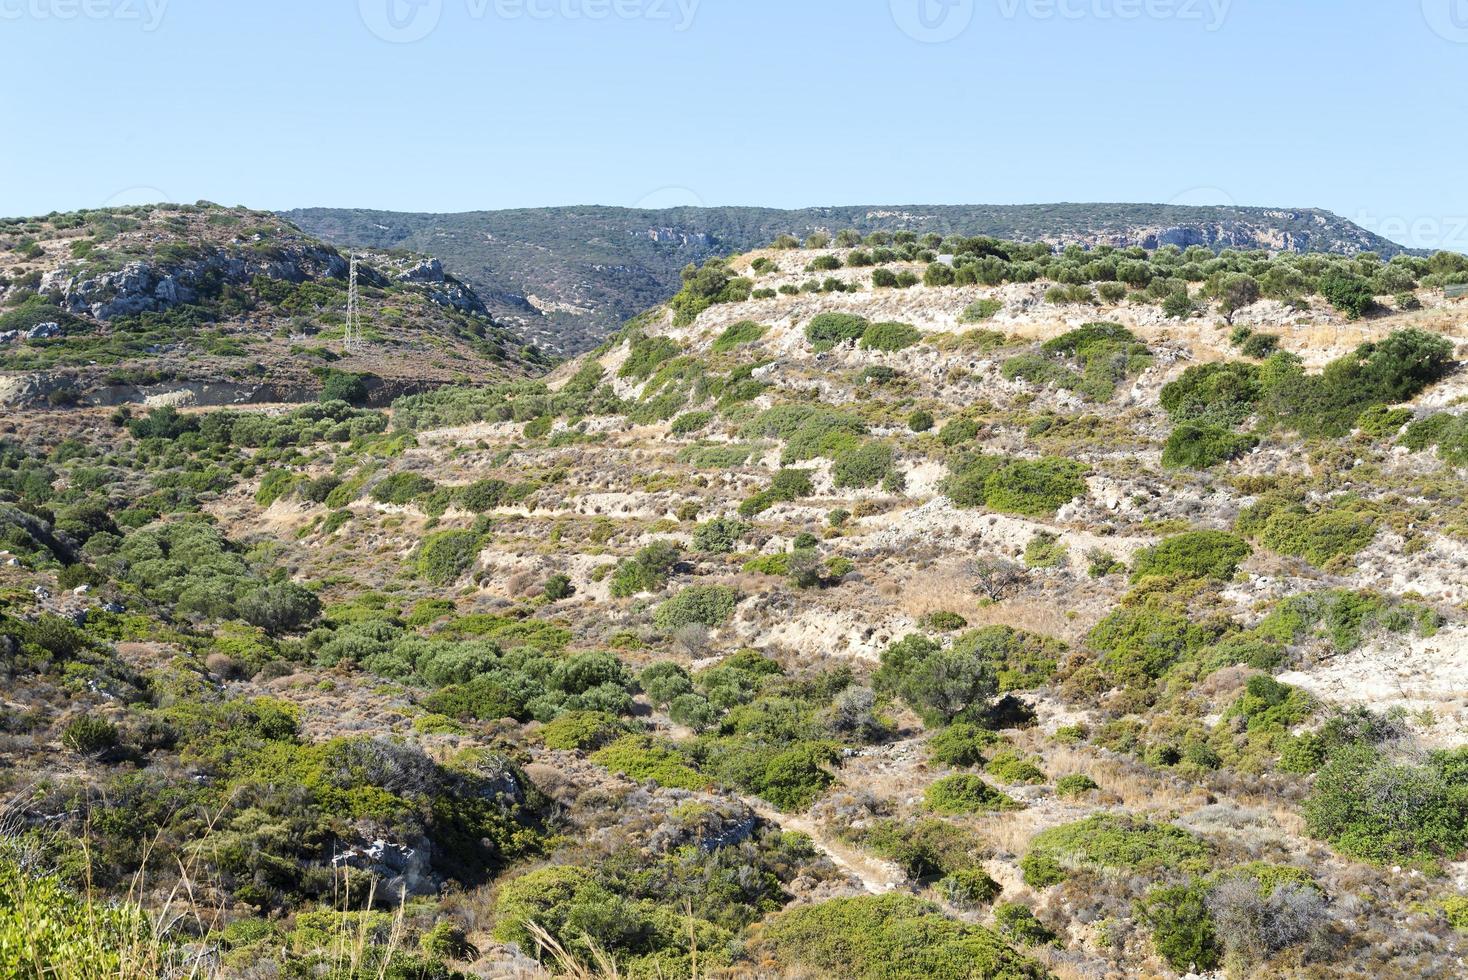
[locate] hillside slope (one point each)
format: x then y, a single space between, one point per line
569 276
1107 620
212 304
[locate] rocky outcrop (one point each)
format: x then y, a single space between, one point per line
159 284
399 868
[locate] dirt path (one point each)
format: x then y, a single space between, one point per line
877 876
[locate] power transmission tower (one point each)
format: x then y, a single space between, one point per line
352 337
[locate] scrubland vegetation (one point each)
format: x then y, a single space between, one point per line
823 632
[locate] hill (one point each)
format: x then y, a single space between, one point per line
215 305
569 276
850 614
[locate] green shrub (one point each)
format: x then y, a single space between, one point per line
968 888
1268 704
45 928
344 386
826 330
980 310
402 488
1447 433
719 536
958 431
444 556
1045 550
88 735
1370 807
646 571
705 286
1179 305
964 793
942 686
862 467
1195 554
891 937
1349 294
708 605
690 422
1074 784
1035 488
738 335
962 745
1017 923
558 587
1013 768
920 421
1139 643
1201 447
579 731
640 758
280 608
890 336
1111 842
1181 926
1320 536
1221 393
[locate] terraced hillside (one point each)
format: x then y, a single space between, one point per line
856 613
213 305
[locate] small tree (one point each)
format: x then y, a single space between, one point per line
1234 291
995 578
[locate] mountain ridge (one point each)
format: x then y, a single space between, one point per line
568 276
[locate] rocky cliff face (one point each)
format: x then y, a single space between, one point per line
159 284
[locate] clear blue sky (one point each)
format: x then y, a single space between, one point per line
1353 105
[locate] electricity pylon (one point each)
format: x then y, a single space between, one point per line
352 336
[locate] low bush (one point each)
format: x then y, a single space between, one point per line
1371 807
1448 434
444 556
980 310
1017 923
640 758
1035 488
738 335
1202 447
1013 768
1074 784
707 605
894 937
968 888
862 467
890 336
1111 842
962 745
826 330
964 793
1195 554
